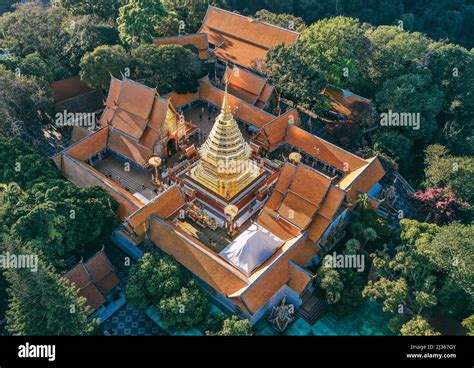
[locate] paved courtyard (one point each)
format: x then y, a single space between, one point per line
130 321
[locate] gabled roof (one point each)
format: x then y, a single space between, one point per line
303 196
240 39
178 100
363 179
95 279
164 205
278 226
243 110
342 100
122 144
323 150
198 40
299 277
248 86
274 132
137 111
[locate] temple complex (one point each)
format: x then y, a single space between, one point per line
242 197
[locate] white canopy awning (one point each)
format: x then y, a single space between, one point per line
251 248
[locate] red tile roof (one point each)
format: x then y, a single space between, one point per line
323 150
118 142
243 110
241 40
68 88
342 100
274 132
166 204
95 279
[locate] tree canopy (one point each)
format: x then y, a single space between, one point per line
152 279
42 302
137 20
168 68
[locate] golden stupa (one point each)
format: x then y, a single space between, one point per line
225 166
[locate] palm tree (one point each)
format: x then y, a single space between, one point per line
363 201
369 235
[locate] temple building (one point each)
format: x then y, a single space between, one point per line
245 200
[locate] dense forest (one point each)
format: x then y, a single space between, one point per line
451 20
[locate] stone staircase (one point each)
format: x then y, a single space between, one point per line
312 308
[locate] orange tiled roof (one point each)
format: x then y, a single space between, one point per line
243 110
136 98
196 258
317 227
363 179
299 278
266 94
275 131
274 274
240 39
128 148
198 40
245 85
166 204
303 191
89 146
94 279
323 150
283 229
68 88
341 99
137 111
178 100
332 202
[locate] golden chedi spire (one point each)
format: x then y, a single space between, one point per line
225 166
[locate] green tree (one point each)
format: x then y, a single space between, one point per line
189 13
397 146
137 20
444 170
297 81
152 279
168 68
23 100
106 9
88 33
98 65
394 53
405 283
186 309
213 323
418 326
42 302
329 281
287 21
33 28
234 326
21 164
412 93
452 252
452 68
339 49
469 324
217 324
